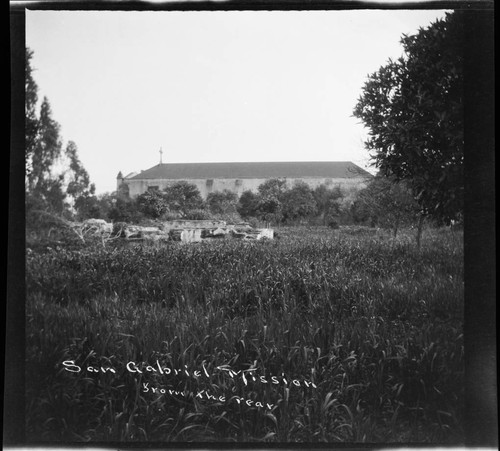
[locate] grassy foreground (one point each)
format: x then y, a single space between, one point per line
317 336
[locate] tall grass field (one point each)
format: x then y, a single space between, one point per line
317 336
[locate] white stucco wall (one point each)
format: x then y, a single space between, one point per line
205 186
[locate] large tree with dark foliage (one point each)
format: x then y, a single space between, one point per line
248 204
413 109
222 202
152 203
124 210
328 202
270 193
298 202
182 197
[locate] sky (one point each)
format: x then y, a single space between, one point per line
211 86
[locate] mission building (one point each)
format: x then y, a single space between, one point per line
239 177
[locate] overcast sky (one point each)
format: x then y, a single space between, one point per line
211 86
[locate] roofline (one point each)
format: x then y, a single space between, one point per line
255 177
364 173
257 162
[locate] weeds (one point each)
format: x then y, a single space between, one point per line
373 323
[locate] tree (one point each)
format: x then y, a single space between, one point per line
298 202
105 203
31 121
413 109
328 202
79 182
46 150
89 206
270 209
270 206
51 176
222 202
79 186
272 188
183 196
360 211
44 181
125 210
152 203
248 204
388 203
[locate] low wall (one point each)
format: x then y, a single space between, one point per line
193 224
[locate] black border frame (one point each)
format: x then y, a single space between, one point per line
480 239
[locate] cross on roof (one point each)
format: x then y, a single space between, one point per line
161 154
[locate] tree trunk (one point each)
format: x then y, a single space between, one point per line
419 230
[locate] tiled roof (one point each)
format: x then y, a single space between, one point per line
306 169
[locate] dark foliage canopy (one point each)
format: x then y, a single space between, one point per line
413 109
222 202
298 202
152 203
248 204
183 196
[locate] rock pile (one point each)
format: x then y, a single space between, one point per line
194 231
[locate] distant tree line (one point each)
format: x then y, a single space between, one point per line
274 202
382 203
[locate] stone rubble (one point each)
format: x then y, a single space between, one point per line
193 231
